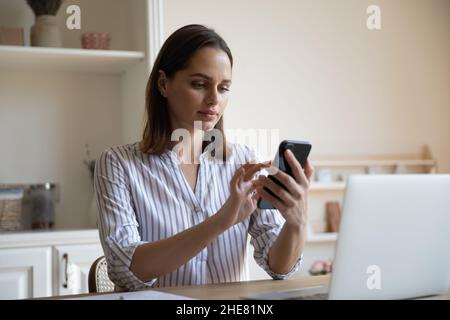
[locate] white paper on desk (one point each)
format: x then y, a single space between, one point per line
136 295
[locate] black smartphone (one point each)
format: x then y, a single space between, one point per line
301 150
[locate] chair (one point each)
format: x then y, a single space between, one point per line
98 280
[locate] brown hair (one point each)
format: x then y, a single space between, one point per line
175 55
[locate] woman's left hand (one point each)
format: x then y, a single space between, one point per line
293 202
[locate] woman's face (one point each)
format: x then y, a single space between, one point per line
199 92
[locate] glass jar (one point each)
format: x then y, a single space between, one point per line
42 206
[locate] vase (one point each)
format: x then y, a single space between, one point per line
45 32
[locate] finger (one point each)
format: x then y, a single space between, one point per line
251 164
309 170
247 187
279 191
236 176
247 166
271 199
256 197
250 171
251 187
297 170
290 183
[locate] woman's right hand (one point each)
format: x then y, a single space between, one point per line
241 203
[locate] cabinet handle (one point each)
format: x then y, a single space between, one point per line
66 276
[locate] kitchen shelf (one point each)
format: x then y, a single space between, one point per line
373 163
395 163
332 172
65 59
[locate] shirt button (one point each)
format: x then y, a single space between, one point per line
197 209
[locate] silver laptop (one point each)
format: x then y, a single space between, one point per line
394 240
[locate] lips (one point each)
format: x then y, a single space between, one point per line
208 115
209 112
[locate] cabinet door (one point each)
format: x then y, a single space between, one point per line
25 273
73 263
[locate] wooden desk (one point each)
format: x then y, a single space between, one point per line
237 290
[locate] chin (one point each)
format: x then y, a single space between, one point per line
206 126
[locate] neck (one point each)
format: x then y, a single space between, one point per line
190 149
196 145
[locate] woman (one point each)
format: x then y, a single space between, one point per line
181 217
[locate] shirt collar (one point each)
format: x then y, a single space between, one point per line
204 156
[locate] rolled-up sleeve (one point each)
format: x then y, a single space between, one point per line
118 227
265 226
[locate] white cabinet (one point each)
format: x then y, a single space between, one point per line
42 264
25 273
73 263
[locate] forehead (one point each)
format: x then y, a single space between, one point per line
211 62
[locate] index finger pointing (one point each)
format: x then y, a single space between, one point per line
255 168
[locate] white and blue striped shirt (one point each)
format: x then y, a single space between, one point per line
144 198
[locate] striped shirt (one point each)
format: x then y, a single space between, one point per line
144 198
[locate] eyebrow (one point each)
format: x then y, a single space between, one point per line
202 75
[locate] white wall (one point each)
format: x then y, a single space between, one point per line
312 69
45 122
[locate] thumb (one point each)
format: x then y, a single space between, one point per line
256 197
236 176
251 187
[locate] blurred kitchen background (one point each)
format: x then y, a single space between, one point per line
373 100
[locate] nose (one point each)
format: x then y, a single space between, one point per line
212 98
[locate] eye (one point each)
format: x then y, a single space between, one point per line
224 89
198 84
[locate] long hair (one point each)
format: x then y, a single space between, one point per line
175 55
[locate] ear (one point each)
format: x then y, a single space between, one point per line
162 83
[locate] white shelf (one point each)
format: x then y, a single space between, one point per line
330 186
322 237
64 59
373 163
35 238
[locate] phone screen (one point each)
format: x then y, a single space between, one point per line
301 150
